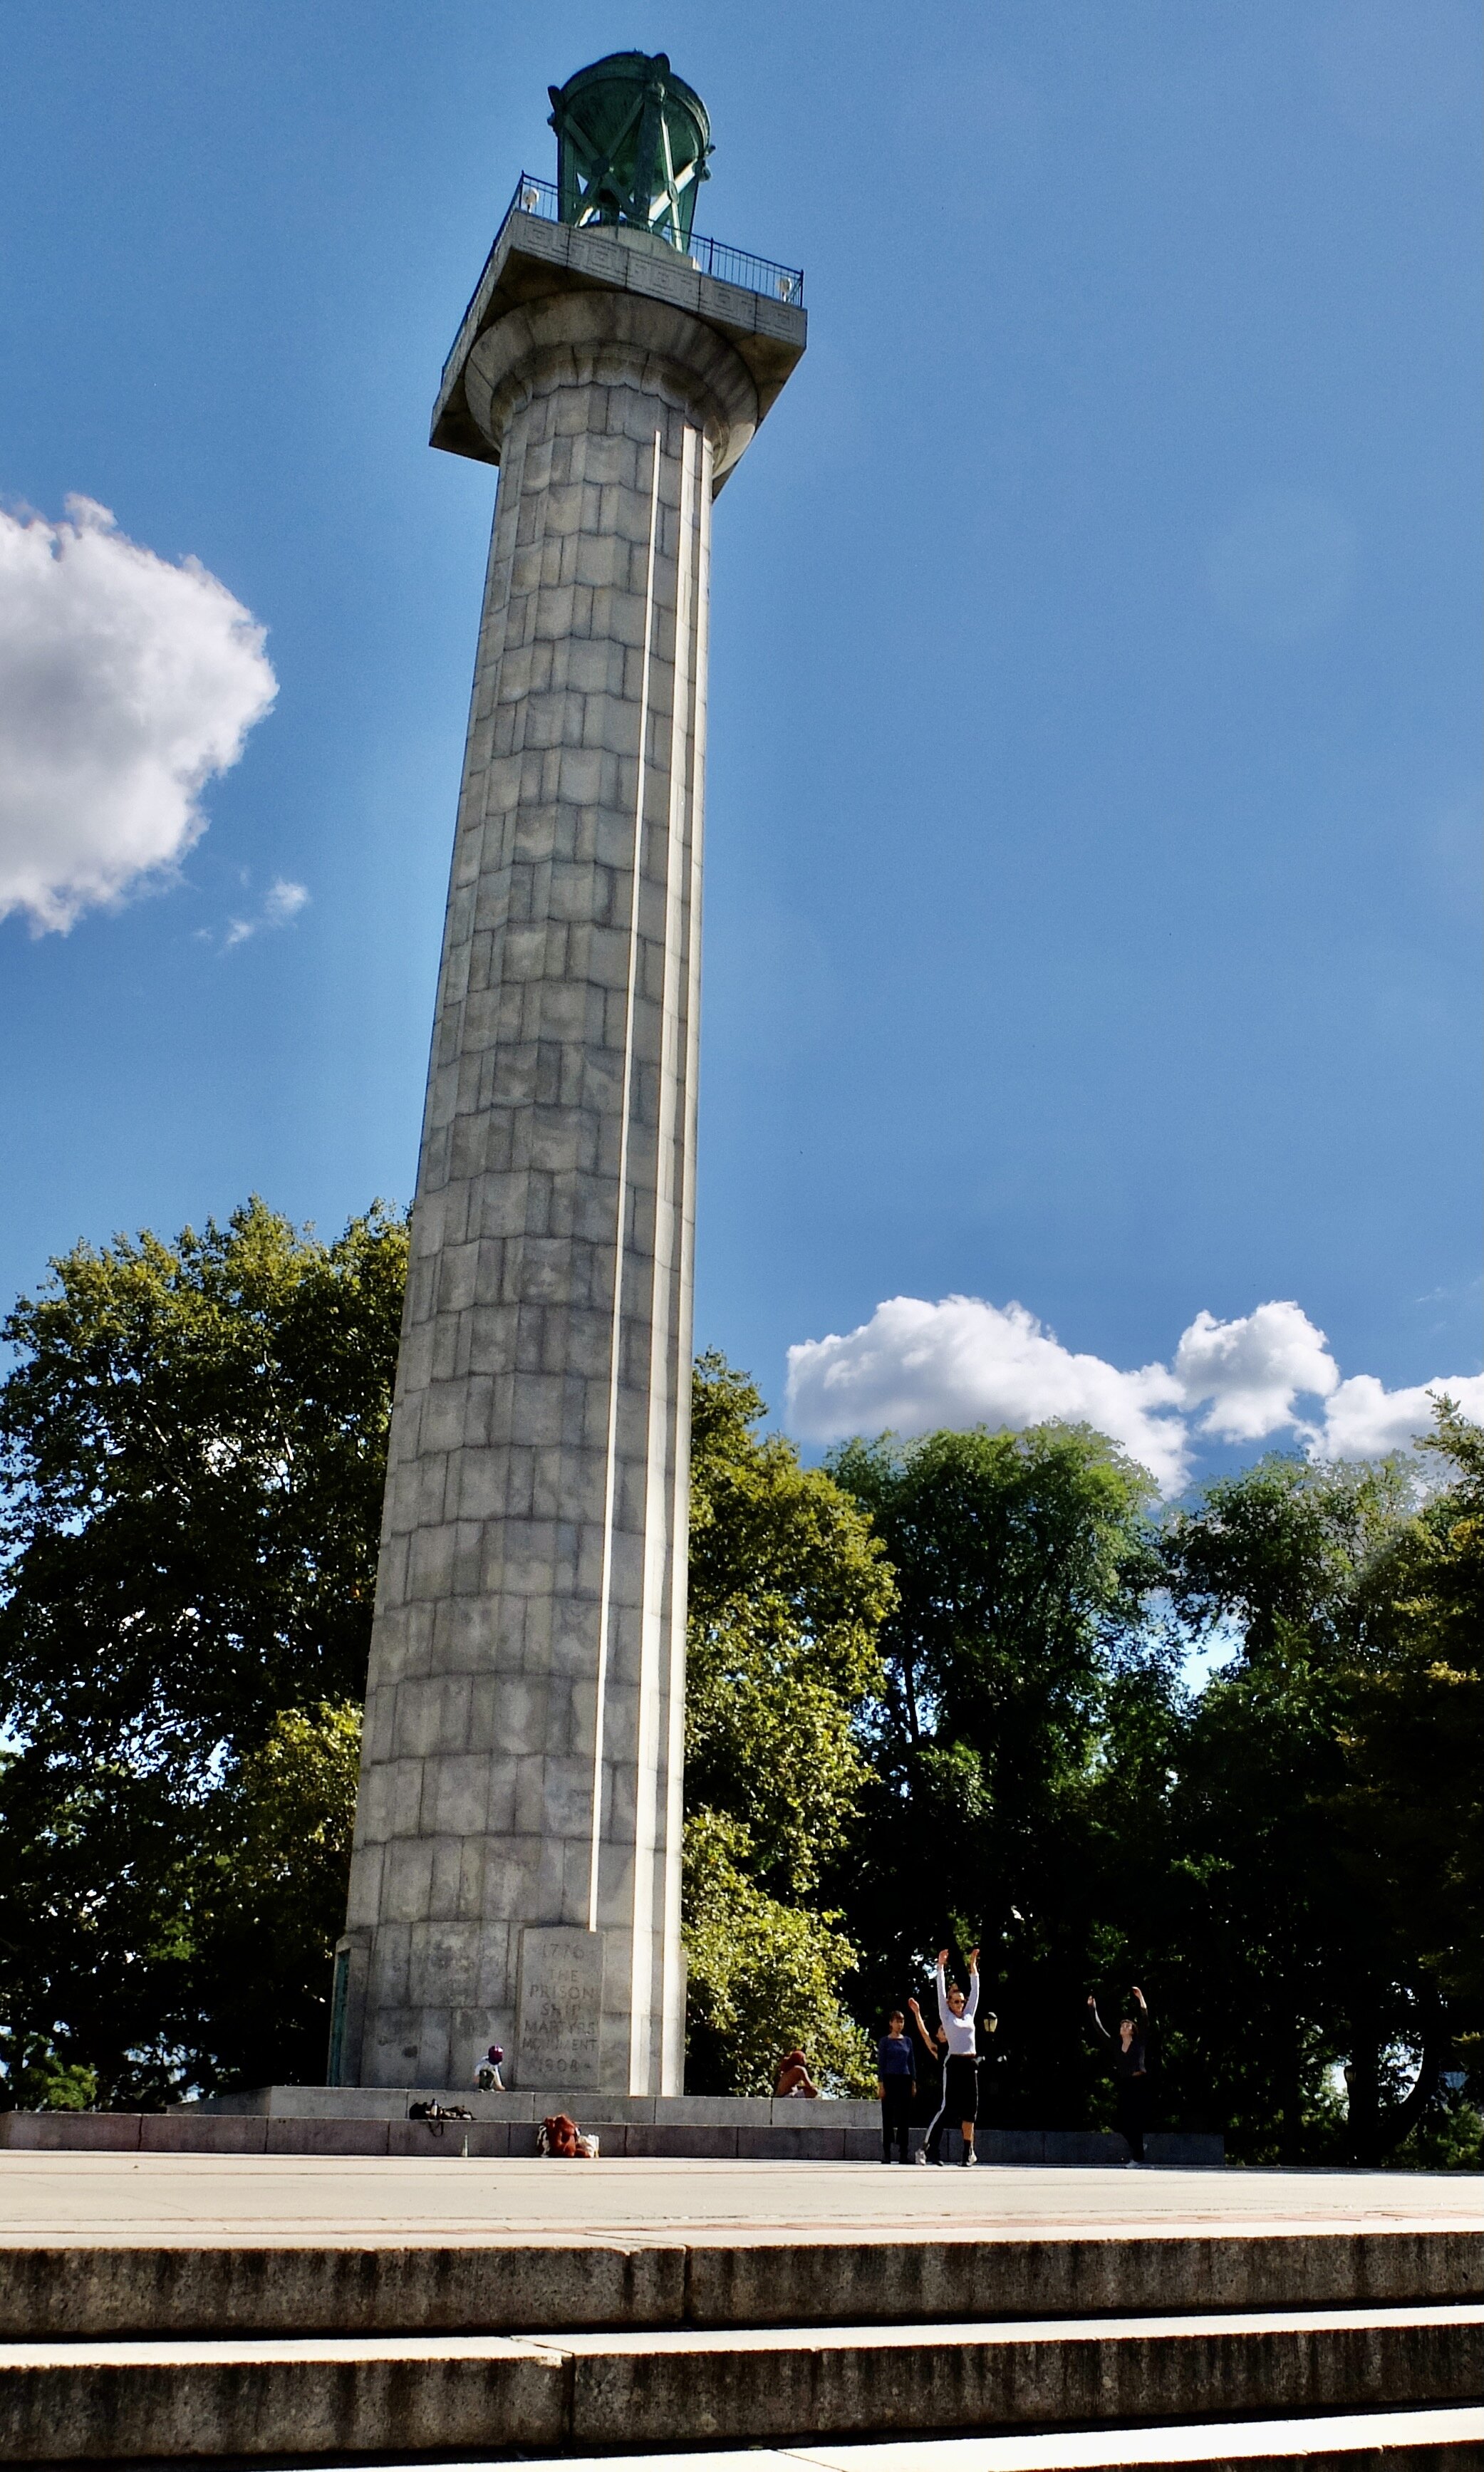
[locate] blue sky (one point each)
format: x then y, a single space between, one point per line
1092 908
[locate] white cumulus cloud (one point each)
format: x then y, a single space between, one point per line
126 683
1364 1421
1252 1370
914 1367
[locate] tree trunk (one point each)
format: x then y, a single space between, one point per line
1363 2087
909 1690
1289 2087
1394 2125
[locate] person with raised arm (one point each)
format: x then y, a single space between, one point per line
960 2101
930 2073
1130 2072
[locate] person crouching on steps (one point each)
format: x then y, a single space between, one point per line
895 2084
961 2067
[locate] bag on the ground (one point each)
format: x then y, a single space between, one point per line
559 2134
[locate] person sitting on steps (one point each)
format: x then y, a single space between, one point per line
793 2076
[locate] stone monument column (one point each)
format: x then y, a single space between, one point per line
515 1872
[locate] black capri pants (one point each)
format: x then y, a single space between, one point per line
959 2096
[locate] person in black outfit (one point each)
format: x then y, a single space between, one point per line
1130 2072
929 2070
895 2084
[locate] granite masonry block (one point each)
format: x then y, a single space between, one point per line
176 2133
326 2137
407 1880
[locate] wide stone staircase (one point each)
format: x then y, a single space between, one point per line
1116 2344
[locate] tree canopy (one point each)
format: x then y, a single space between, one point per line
192 1452
1285 1853
788 1588
973 1687
1022 1563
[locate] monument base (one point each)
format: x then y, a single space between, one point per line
375 2120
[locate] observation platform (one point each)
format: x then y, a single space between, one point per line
754 305
318 2311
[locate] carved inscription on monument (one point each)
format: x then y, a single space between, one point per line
561 2002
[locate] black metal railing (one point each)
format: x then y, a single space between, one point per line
715 257
729 265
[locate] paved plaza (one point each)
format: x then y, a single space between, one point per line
242 2198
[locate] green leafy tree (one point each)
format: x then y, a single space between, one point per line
1414 1797
270 1872
788 1588
192 1452
1284 1937
38 2078
1023 1561
764 1975
1420 1741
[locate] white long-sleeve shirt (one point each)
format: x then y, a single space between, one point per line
960 2029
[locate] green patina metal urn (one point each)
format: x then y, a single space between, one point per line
632 145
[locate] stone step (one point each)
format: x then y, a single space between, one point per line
249 2282
1363 2442
307 2395
531 2103
799 2133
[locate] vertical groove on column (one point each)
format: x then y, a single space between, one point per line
672 2039
668 1373
610 1470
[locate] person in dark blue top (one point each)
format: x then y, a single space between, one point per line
895 2084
